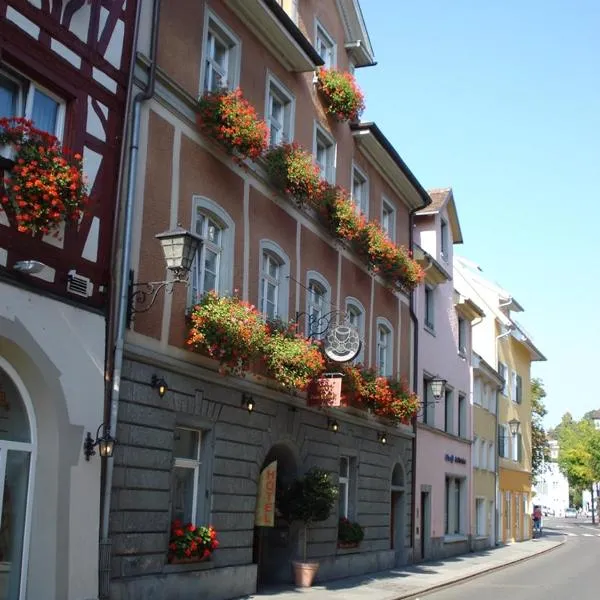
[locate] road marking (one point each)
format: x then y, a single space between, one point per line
587 535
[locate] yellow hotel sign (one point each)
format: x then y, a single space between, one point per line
265 503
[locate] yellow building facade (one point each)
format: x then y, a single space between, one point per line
516 352
486 386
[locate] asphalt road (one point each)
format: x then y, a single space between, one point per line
571 571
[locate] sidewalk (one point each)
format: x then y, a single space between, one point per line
409 581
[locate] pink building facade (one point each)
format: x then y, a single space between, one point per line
444 429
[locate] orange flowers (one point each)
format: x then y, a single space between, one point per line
46 184
233 123
343 97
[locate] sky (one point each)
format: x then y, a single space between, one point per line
500 100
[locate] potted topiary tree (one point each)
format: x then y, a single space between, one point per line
308 499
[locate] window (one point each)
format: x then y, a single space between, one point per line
324 152
503 372
429 308
444 240
317 302
462 416
279 113
477 392
482 455
513 385
346 485
355 315
475 452
480 516
325 46
517 447
485 400
274 284
222 51
453 506
20 97
491 457
519 390
360 191
388 220
448 411
462 336
384 352
428 403
503 441
184 486
213 266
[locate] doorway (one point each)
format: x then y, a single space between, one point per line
424 524
398 530
17 442
274 547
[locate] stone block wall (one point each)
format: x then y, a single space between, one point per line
235 444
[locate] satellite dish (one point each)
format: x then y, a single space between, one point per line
342 343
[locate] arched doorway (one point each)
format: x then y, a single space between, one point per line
274 547
17 457
398 514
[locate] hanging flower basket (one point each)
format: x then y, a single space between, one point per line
293 173
291 359
343 97
228 330
231 121
46 185
191 543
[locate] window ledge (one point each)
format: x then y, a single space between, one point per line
185 568
342 551
453 539
273 26
429 330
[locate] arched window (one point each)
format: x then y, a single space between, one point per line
355 315
318 302
17 444
213 267
274 283
384 354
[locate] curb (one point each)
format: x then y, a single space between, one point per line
459 580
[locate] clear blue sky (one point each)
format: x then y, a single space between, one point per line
500 99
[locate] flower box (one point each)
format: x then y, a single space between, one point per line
325 391
347 545
174 560
342 95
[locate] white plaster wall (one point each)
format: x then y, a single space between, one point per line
58 352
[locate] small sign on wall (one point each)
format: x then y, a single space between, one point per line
451 458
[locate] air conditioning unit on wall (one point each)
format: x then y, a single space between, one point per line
79 285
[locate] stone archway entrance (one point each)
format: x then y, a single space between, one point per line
398 514
274 547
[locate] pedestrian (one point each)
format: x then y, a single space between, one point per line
537 519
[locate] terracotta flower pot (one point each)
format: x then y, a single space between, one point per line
304 573
325 391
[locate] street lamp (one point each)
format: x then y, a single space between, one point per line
438 387
514 426
179 248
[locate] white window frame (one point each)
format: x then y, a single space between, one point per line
480 517
323 137
477 387
483 455
194 465
283 288
383 324
275 89
476 452
361 204
505 376
462 332
213 24
27 87
491 457
463 417
322 34
429 293
455 514
225 276
444 240
513 385
352 303
317 278
505 441
31 447
344 482
449 411
388 208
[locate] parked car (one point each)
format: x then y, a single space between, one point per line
571 512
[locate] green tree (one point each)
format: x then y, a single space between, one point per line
540 452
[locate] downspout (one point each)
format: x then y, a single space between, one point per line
415 322
123 295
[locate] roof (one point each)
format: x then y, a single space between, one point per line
594 414
358 42
380 149
444 198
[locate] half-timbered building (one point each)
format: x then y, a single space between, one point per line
64 65
192 440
